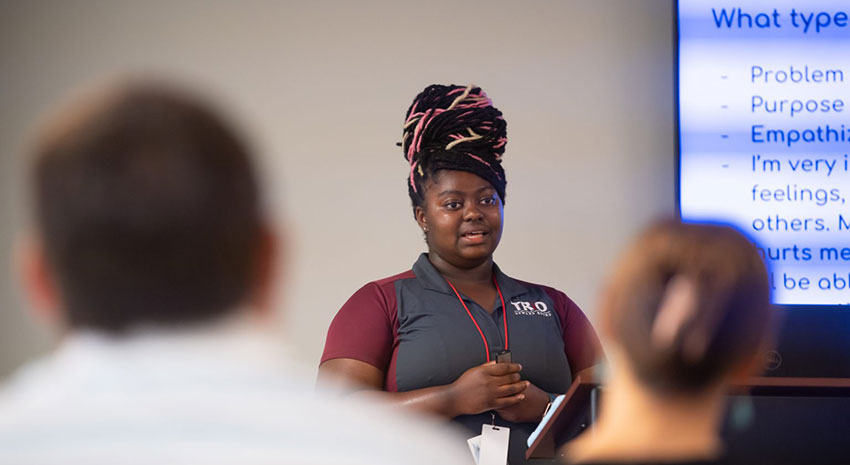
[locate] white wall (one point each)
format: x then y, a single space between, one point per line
322 86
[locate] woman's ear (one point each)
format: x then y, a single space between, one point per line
419 213
753 365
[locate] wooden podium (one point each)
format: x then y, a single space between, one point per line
578 410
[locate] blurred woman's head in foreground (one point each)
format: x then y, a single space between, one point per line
686 313
688 306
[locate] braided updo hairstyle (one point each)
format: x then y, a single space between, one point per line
453 128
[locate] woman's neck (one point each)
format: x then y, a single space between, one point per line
475 275
637 424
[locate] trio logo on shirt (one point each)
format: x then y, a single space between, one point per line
527 308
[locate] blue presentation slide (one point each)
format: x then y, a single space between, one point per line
764 114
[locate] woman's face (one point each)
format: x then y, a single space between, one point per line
462 214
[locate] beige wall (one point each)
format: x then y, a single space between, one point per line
322 86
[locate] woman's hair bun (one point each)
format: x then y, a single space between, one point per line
454 127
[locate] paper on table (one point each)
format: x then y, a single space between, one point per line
545 420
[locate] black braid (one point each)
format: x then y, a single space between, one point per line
453 128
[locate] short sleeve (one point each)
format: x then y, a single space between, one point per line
581 344
363 329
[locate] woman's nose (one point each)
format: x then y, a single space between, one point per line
472 212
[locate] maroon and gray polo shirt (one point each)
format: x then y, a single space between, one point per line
412 327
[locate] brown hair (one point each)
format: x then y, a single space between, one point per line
148 209
715 277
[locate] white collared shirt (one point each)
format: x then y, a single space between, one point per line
222 394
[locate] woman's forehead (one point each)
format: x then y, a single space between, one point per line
457 180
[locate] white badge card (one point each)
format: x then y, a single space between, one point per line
494 445
475 447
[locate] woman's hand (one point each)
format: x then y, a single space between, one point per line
528 410
491 386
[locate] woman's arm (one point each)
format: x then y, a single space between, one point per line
491 386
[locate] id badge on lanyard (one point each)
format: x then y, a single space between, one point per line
491 446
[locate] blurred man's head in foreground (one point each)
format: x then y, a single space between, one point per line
147 212
688 305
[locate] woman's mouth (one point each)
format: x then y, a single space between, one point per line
474 237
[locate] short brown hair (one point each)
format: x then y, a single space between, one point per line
148 209
731 316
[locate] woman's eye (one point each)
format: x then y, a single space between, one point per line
452 205
489 201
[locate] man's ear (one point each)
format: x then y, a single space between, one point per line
37 279
268 272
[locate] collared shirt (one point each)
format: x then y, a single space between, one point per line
413 328
221 394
